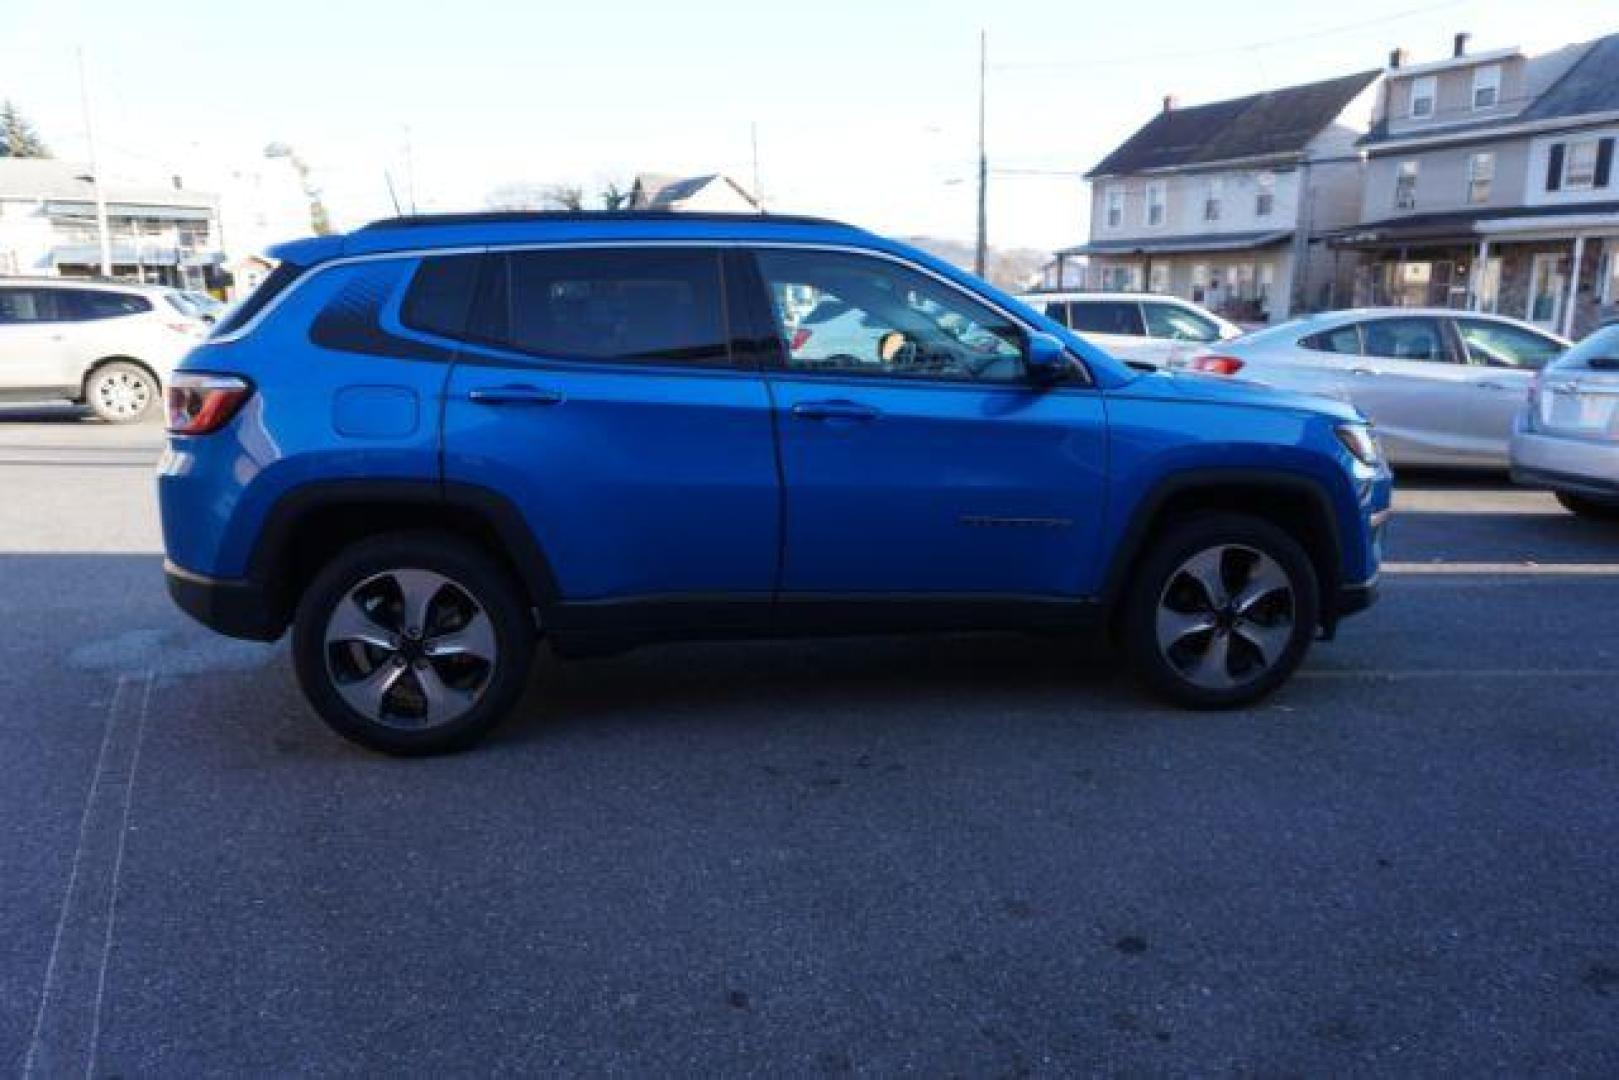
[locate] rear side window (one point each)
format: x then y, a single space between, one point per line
1057 311
440 296
1406 339
1106 317
1342 339
97 304
35 305
651 305
272 286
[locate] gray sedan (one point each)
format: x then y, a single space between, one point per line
1441 386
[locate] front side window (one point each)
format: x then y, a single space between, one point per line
861 315
1405 186
650 305
34 305
1107 317
1487 86
1580 165
1503 345
1480 177
1422 96
1406 339
1175 323
1156 203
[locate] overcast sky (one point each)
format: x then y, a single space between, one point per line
865 110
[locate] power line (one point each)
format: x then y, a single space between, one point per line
1206 51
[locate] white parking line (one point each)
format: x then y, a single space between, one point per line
1413 674
64 1038
1488 569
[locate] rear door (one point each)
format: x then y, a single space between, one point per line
1412 381
36 341
926 464
603 391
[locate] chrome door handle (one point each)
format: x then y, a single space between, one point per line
1362 371
834 410
514 394
1492 386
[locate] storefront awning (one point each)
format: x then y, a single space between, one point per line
1177 245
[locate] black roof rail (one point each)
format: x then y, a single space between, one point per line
507 217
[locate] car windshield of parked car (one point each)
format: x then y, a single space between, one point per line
1178 324
850 313
1498 344
1598 352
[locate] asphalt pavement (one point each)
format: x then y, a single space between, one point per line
955 855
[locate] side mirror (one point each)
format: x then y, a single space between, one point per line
1046 359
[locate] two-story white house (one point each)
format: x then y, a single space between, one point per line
1490 184
1227 203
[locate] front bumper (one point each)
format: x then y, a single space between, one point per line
235 608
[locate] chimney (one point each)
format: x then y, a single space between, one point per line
1397 58
1171 103
1459 44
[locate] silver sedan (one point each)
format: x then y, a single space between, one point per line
1441 386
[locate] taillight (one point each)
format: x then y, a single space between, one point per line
1216 365
200 403
801 338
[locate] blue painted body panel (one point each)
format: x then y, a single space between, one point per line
672 481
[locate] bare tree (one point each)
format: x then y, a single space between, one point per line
320 221
528 195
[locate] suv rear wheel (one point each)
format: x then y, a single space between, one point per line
1221 612
121 393
416 643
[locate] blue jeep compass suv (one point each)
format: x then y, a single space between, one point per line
427 444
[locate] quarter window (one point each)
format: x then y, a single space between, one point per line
653 305
859 315
1504 345
440 296
1406 339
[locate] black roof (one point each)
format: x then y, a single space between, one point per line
503 217
1591 85
1275 122
1460 223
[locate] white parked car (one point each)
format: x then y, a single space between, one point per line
1442 387
102 344
1139 328
1567 438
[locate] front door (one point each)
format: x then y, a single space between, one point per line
605 396
917 456
1548 285
1419 391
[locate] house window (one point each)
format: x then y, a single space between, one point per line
1610 279
1158 281
1580 165
1211 202
1422 96
1487 87
1405 186
1480 175
1115 207
1265 198
1157 199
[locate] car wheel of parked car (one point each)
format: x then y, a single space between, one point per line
1221 611
121 393
416 643
1587 507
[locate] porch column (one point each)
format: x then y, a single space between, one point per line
1573 286
1475 289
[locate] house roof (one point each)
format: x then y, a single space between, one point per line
657 191
1461 223
1274 122
1166 245
60 181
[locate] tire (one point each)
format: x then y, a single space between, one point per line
122 393
376 669
1587 507
1219 655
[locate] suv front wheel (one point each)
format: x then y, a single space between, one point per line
416 643
1221 612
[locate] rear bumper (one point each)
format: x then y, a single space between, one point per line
233 607
1580 466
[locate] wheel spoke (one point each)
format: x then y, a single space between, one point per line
366 695
475 639
1269 640
1265 578
444 702
1213 668
418 588
1207 568
1175 627
351 622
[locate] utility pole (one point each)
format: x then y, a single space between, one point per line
102 230
981 252
410 170
758 193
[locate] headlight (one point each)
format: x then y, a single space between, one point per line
1358 440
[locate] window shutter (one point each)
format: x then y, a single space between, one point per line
1604 162
1554 168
